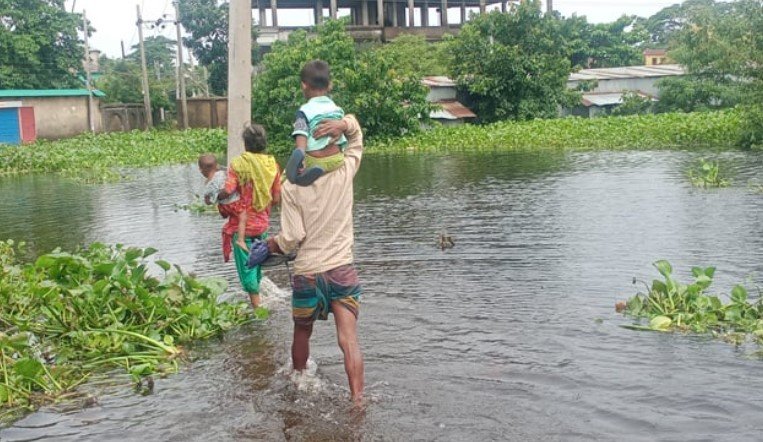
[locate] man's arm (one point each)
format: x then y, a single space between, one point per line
354 135
351 128
292 228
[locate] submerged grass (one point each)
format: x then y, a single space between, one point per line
68 315
669 305
660 131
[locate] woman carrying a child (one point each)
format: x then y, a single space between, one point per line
255 176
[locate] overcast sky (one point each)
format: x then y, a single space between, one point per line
114 20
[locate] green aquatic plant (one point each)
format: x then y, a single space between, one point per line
93 158
707 174
660 131
669 305
198 206
65 316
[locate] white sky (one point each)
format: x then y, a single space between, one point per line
114 20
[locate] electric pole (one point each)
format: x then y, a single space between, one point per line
123 50
239 74
90 104
181 76
146 96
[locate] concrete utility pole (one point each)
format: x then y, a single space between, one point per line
90 104
181 76
146 96
239 74
123 50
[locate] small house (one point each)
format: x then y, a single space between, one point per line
603 88
58 113
443 93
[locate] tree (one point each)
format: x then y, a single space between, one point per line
207 22
663 25
121 82
412 54
721 45
160 55
514 66
589 45
39 45
386 102
634 104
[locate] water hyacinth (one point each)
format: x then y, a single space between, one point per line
67 315
660 131
669 305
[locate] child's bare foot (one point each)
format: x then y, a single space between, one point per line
255 300
241 243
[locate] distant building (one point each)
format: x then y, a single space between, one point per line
443 93
655 57
604 88
380 20
58 113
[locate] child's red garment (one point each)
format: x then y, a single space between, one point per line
257 223
231 212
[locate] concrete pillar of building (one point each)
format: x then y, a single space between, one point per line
394 14
425 14
380 13
411 23
333 8
463 11
364 12
444 13
274 12
503 6
319 12
483 7
263 16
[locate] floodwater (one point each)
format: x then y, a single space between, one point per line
510 335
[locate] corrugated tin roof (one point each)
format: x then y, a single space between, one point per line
35 93
451 110
662 70
607 98
438 81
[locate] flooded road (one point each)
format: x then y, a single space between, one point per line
510 335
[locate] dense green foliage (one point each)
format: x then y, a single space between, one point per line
634 104
39 45
67 315
92 155
365 83
514 66
670 305
661 131
207 22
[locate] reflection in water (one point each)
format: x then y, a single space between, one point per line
510 335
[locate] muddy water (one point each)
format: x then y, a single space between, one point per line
511 335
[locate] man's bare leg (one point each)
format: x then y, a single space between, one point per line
300 346
347 335
255 299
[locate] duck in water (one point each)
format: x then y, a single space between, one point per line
445 241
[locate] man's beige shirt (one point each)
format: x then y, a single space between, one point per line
316 220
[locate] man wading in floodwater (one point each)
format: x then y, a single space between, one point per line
317 220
